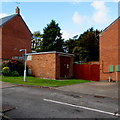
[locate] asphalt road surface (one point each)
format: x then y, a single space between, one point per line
29 102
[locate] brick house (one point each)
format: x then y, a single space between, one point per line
15 35
51 65
110 52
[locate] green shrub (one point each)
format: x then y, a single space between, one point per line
0 72
15 65
6 71
14 73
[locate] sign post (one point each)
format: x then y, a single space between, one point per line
25 57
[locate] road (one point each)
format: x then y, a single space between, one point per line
30 102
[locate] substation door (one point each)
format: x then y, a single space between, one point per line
64 66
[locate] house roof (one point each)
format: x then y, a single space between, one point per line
6 19
109 26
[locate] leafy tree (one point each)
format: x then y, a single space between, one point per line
80 53
69 45
14 65
75 37
85 47
89 40
52 38
36 41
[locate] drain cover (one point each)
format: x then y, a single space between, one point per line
5 108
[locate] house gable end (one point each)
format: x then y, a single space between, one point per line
109 26
5 20
8 19
25 25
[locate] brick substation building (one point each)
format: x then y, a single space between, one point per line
51 65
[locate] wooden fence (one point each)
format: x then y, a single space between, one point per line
87 71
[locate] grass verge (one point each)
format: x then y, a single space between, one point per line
42 82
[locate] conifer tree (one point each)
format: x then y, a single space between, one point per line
52 38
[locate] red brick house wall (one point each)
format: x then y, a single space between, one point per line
0 42
15 36
48 65
109 51
119 47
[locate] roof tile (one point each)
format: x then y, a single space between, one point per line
6 19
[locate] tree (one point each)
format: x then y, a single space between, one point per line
69 45
36 41
85 47
52 38
80 53
90 42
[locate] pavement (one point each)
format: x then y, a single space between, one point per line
100 88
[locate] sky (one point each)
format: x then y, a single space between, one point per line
73 17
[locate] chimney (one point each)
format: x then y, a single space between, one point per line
17 10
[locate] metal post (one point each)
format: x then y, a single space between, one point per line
25 56
116 76
25 67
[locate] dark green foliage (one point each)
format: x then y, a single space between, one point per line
52 38
6 71
0 72
14 73
90 42
70 45
86 47
81 54
36 41
15 65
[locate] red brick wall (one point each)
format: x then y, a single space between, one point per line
48 66
15 36
109 49
57 66
0 42
43 65
119 47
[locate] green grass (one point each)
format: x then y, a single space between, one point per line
42 82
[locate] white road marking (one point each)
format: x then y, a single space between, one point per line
96 110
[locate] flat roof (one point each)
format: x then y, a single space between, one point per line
61 53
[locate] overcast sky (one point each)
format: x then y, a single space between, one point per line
73 17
